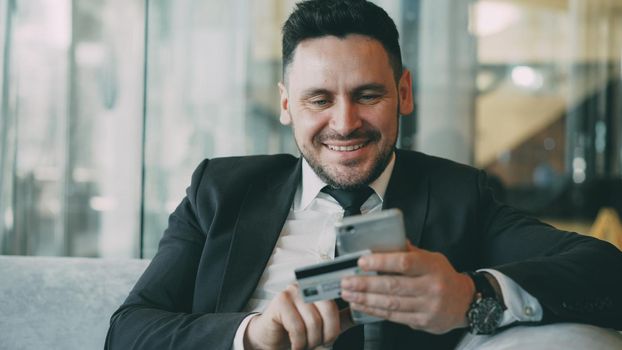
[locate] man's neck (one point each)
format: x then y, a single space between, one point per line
311 184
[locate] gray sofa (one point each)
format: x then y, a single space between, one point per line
66 303
61 303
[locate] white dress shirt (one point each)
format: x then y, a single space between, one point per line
308 237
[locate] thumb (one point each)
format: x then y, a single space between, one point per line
411 247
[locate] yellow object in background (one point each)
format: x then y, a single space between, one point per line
608 227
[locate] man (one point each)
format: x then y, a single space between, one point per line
223 274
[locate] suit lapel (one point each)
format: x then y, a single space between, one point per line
259 224
408 190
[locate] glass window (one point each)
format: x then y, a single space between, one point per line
213 69
108 106
211 78
548 112
71 132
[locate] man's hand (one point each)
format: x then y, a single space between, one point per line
288 322
423 291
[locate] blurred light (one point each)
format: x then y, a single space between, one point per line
578 170
90 54
82 175
51 206
47 26
47 173
578 177
601 136
8 218
99 203
492 17
526 77
505 157
549 144
58 26
543 175
578 164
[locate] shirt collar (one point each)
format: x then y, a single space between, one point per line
311 184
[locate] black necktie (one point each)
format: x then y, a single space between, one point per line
350 200
354 338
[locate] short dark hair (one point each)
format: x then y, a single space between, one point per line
318 18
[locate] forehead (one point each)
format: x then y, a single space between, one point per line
330 60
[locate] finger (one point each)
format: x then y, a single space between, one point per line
384 301
329 313
411 247
292 321
411 263
313 321
385 284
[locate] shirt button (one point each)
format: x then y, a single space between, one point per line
528 311
324 256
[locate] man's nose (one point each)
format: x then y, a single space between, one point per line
345 118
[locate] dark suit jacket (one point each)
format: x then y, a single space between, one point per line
221 236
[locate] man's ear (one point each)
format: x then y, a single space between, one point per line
284 117
405 89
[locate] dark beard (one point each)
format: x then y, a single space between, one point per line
380 164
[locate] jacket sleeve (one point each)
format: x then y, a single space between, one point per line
157 314
575 278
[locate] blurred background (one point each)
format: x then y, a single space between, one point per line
107 106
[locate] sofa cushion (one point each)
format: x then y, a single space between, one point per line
61 303
559 336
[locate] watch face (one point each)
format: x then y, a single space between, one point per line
485 316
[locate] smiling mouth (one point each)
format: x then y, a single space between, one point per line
349 148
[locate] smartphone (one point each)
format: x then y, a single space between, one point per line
377 232
382 231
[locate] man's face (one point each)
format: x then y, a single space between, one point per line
343 103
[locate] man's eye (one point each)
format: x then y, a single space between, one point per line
319 103
368 98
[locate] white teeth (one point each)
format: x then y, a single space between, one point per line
345 148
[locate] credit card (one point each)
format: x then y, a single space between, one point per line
322 281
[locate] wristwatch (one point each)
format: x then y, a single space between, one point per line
486 310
